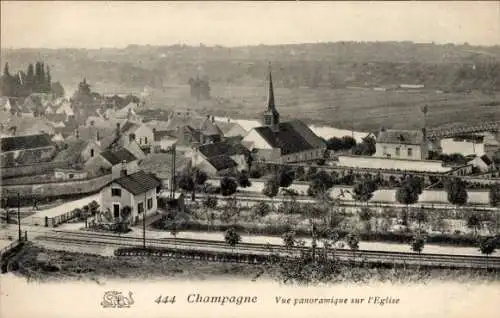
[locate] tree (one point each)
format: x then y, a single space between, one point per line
421 217
93 206
228 186
365 215
271 189
289 239
473 223
209 203
494 195
456 190
487 247
231 237
243 179
126 213
352 240
363 190
417 242
186 182
407 195
86 213
261 209
285 177
320 183
57 90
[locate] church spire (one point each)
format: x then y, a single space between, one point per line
271 115
270 95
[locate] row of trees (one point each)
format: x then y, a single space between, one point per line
199 88
36 79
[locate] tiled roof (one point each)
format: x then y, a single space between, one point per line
118 156
138 182
222 162
406 137
222 148
486 160
26 142
209 128
292 137
129 127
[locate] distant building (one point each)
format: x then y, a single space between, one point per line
283 142
483 164
78 151
163 140
135 190
116 161
25 150
402 144
465 145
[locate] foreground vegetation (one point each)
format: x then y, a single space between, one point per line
39 264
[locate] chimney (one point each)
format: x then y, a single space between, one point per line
77 133
213 119
117 129
123 171
98 136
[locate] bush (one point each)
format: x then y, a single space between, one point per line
261 209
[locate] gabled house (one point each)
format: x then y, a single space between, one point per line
137 190
116 161
78 151
23 150
231 129
137 138
220 158
209 131
402 144
163 140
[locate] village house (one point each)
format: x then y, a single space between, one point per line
209 131
163 140
114 161
78 151
283 142
136 190
134 137
29 149
220 158
483 164
231 129
402 144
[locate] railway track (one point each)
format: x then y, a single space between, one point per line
209 246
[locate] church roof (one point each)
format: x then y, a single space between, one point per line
292 137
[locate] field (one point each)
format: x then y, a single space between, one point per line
363 110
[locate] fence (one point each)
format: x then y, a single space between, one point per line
9 247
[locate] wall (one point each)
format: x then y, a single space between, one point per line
39 168
307 155
389 150
428 196
449 146
386 163
70 175
57 188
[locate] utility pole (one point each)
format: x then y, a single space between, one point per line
144 221
19 215
172 149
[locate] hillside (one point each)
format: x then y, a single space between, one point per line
444 67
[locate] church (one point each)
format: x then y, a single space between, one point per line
283 142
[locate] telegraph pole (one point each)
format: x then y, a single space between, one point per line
19 215
144 221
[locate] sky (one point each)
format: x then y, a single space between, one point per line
118 24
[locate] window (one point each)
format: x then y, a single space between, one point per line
91 152
116 192
140 141
140 207
146 140
71 176
150 203
384 149
410 152
398 151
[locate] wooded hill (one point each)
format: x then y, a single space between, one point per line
444 67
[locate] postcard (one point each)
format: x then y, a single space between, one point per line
249 159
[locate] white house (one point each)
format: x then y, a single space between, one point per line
402 144
136 190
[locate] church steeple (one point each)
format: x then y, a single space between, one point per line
271 115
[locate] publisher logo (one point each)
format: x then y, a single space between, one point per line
116 299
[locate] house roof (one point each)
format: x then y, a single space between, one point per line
209 128
129 127
118 156
161 134
138 182
222 148
293 136
26 142
486 160
407 137
222 162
